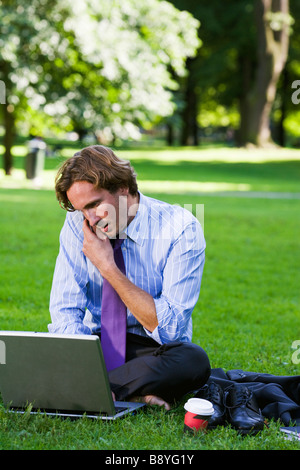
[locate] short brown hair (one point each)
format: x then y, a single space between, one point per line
98 165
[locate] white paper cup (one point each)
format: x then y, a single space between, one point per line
197 416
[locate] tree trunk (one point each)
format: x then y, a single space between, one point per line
170 134
9 124
8 120
272 51
246 70
189 131
285 94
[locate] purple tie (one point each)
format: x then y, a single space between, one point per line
113 318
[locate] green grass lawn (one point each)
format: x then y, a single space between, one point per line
248 313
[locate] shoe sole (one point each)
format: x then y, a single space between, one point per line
251 431
245 431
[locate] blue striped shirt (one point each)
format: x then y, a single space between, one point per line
164 253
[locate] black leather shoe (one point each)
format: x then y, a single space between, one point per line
242 409
213 393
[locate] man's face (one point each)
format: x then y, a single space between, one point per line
106 213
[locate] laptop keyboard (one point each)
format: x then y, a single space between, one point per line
120 408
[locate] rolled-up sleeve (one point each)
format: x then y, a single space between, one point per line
182 277
68 294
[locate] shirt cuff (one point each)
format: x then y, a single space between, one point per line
154 335
163 313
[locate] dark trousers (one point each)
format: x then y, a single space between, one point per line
169 371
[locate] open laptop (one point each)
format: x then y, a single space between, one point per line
57 374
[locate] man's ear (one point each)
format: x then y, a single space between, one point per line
124 191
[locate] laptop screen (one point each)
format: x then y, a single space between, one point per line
54 372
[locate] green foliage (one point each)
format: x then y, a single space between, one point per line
93 65
225 66
228 34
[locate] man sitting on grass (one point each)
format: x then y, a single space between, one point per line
152 282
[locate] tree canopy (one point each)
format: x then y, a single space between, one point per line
236 74
105 66
114 67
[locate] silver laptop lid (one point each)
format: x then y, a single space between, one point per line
54 372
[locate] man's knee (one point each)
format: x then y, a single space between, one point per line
188 369
196 363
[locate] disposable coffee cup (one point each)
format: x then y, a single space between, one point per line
198 414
